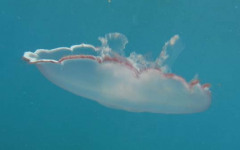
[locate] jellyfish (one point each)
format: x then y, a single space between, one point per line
104 74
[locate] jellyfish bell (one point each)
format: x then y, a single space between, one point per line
127 83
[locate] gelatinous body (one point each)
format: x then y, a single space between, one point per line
130 83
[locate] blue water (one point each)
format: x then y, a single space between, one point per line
37 115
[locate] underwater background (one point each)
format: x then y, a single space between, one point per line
37 115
